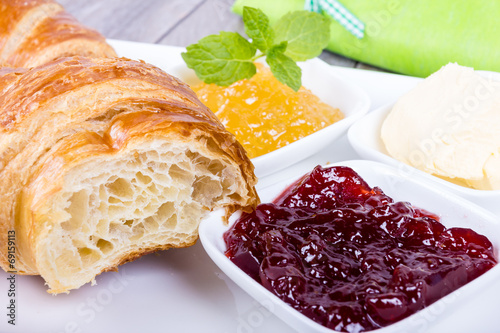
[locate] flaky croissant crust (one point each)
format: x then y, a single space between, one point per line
33 32
62 116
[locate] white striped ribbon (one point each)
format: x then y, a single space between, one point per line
339 13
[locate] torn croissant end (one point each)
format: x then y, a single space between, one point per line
113 161
33 32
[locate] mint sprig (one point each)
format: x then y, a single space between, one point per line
228 57
221 59
258 28
307 34
283 67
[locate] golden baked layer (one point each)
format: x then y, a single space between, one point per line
33 32
103 160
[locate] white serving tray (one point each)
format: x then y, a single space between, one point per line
182 290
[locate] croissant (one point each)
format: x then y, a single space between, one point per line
33 32
104 160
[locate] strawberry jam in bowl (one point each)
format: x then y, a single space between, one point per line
350 257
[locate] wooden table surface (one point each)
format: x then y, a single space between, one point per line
169 22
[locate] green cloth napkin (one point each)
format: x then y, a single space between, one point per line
413 37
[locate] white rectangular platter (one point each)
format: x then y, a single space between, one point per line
182 290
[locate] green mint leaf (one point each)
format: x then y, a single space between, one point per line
221 59
307 34
283 67
279 48
258 28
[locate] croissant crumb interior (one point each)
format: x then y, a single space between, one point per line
145 199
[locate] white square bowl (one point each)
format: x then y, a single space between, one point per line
364 136
453 211
321 79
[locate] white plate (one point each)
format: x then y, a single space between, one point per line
182 290
318 77
453 211
364 137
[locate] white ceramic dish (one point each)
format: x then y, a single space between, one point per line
364 136
453 211
318 77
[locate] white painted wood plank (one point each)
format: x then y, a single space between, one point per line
361 65
211 17
170 22
134 20
336 60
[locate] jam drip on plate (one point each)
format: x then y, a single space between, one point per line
349 257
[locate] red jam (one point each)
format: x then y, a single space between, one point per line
349 257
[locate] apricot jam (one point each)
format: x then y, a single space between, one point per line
264 114
349 257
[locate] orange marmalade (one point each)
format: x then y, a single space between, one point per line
265 114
